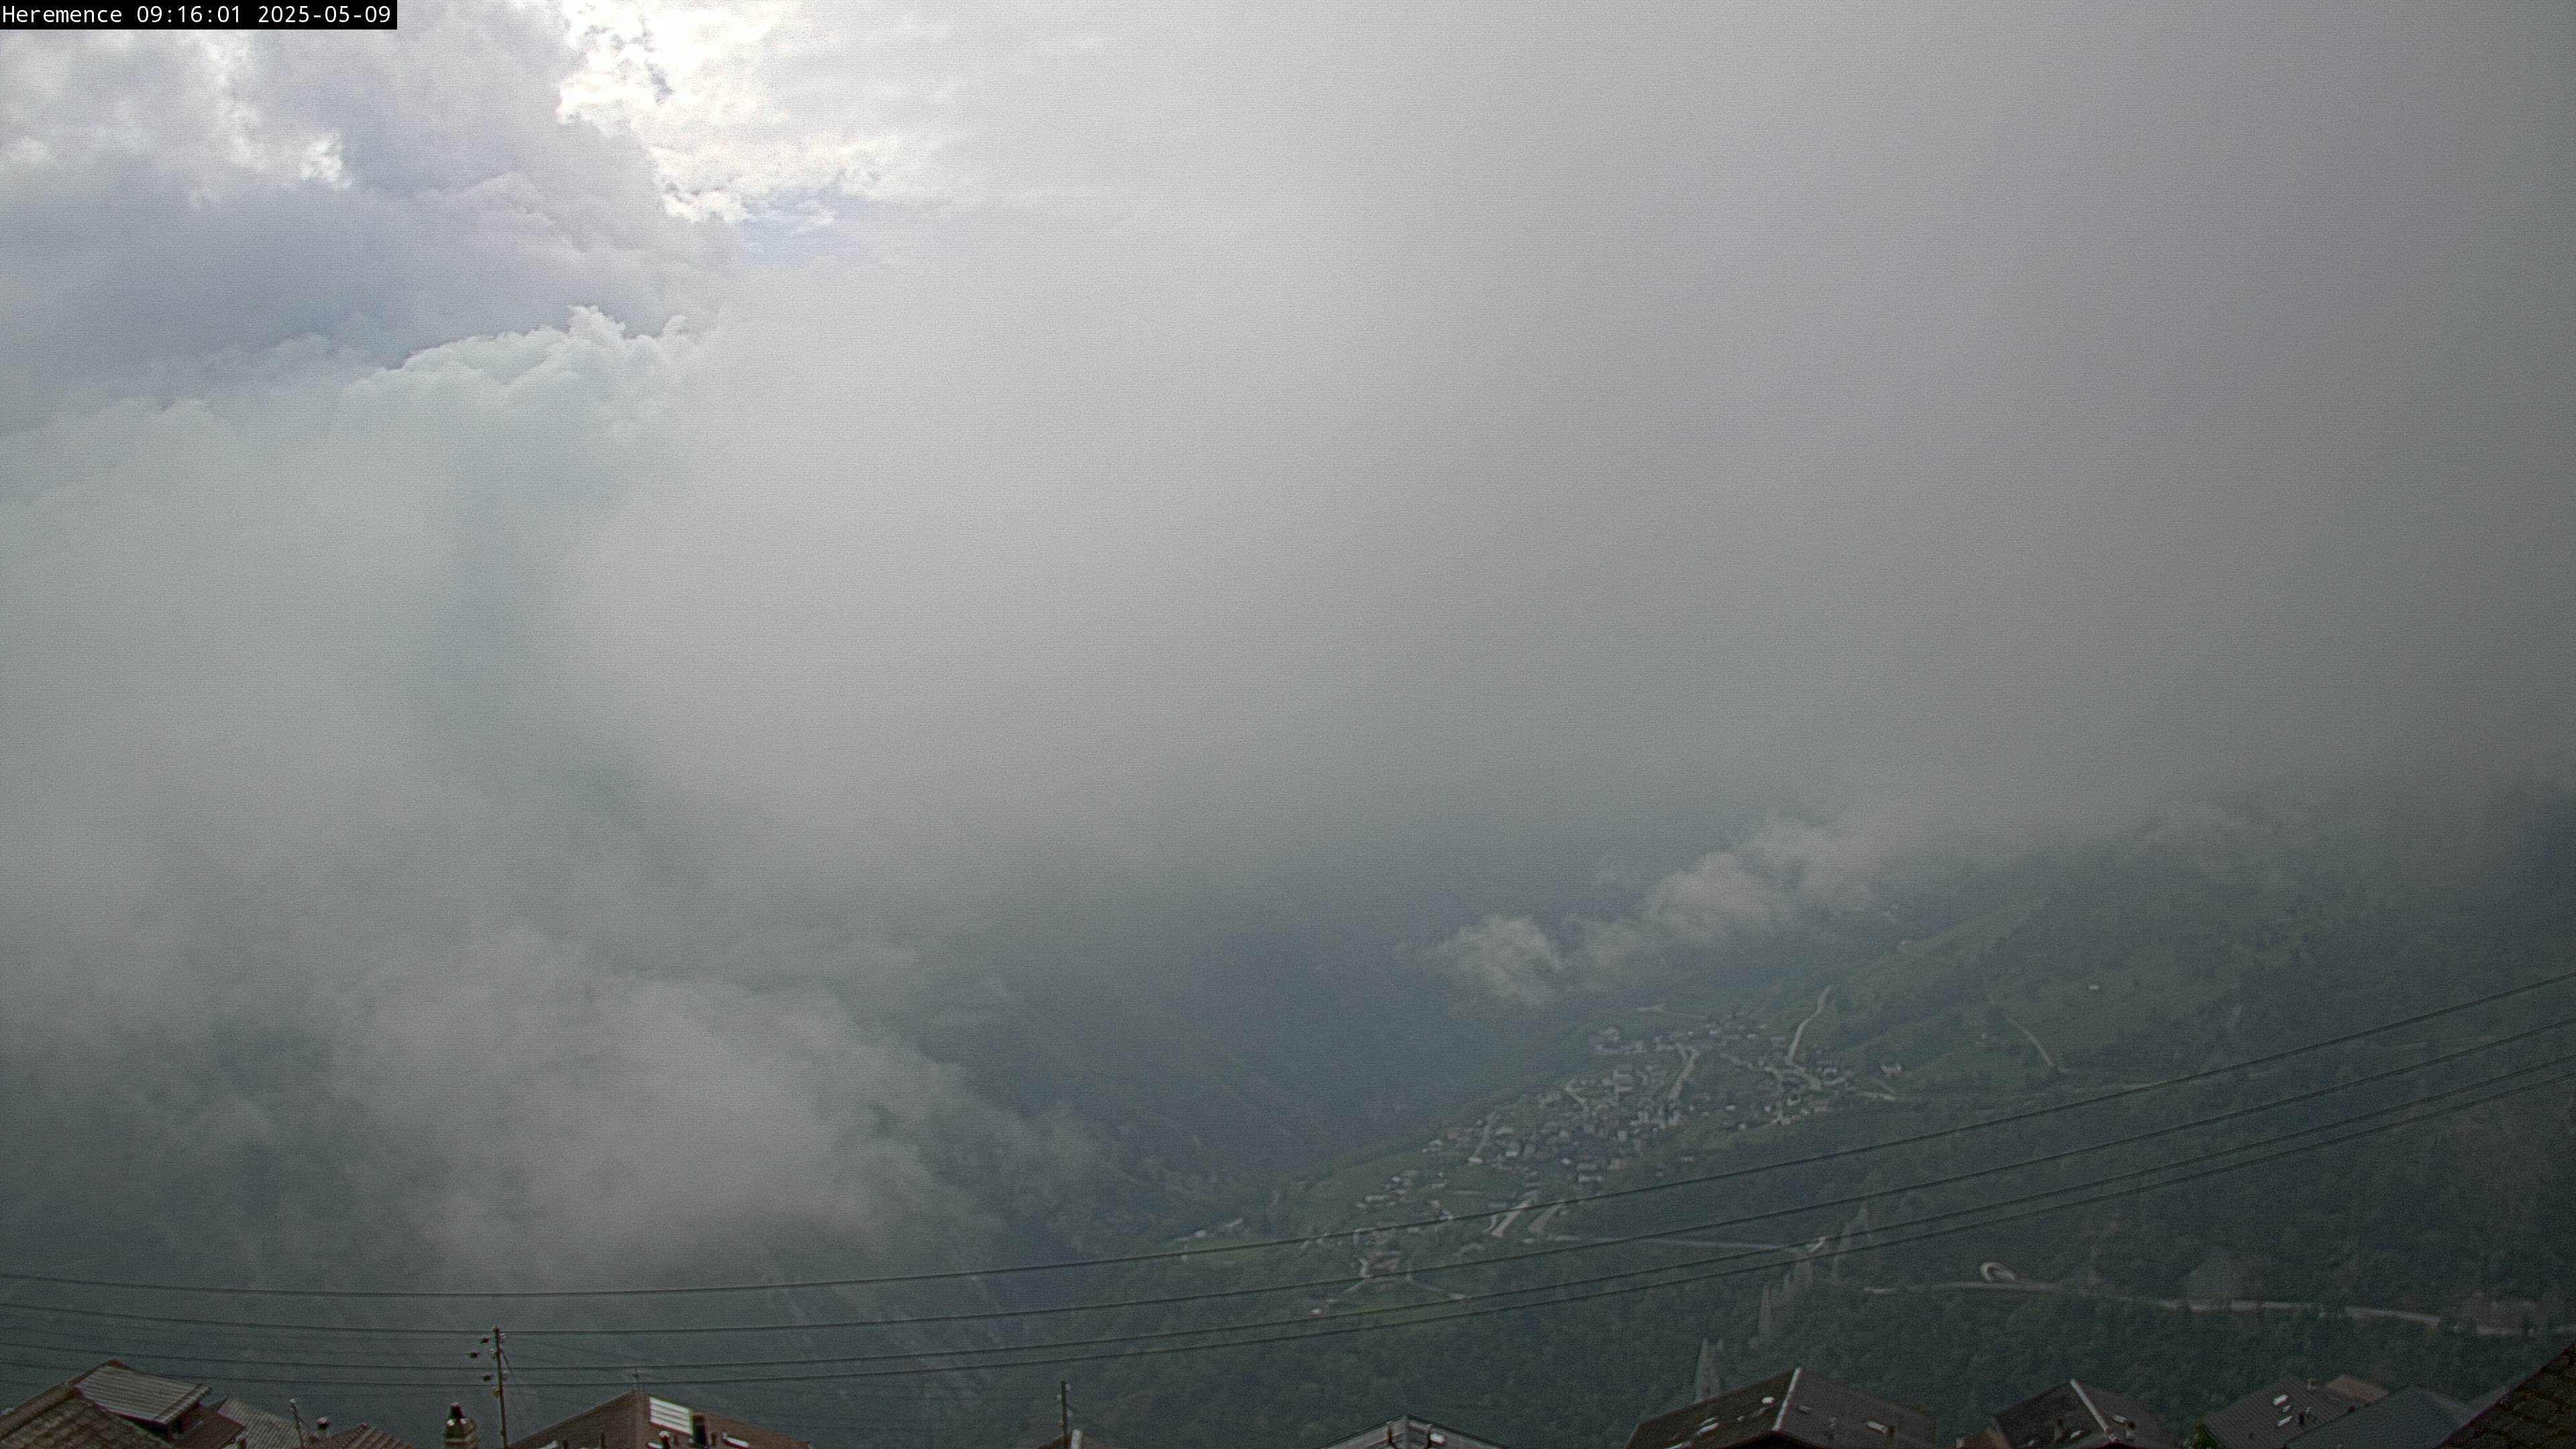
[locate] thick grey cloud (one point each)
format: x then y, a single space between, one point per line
2056 406
310 849
1096 435
174 203
1788 871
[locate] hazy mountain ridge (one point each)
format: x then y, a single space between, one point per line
1219 1055
2198 962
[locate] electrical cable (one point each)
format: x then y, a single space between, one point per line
1633 1273
1213 1295
1344 1325
1924 1185
1663 1275
215 1364
1254 1245
1424 1319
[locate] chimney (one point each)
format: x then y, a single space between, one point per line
461 1431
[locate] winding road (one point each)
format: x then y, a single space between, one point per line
1800 1034
2025 1031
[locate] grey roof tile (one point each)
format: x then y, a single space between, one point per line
2540 1411
135 1394
61 1418
1798 1407
1409 1432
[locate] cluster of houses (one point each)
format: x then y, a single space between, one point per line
1577 1135
114 1406
1802 1409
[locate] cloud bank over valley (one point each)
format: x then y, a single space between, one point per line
557 566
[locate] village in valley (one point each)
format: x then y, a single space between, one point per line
1646 1081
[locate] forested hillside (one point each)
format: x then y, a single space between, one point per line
2416 1174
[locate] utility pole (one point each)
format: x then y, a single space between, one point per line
297 1410
498 1378
1064 1409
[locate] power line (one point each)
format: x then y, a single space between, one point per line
1261 1290
2209 1164
214 1363
176 1321
44 1373
1632 1273
1923 1185
1631 1239
1424 1318
1254 1245
195 1350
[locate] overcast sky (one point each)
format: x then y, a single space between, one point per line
498 519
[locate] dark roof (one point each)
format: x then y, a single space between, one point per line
145 1398
2359 1390
1798 1407
2539 1410
2407 1419
2272 1416
261 1428
638 1420
365 1436
60 1418
2079 1416
172 1413
208 1430
1409 1432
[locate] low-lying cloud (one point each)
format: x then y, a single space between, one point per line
315 846
1789 870
532 546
